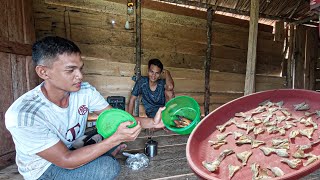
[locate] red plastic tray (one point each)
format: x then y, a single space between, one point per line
198 148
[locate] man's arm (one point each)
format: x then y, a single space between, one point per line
61 156
169 81
169 92
131 104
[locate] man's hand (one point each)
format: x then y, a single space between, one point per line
125 134
157 120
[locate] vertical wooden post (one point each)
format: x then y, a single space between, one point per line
311 56
299 57
67 26
280 35
252 48
279 31
138 51
207 65
290 56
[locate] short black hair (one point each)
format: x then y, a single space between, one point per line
155 62
47 49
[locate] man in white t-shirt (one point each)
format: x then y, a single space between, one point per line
45 121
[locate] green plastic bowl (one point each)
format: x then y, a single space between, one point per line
184 106
109 120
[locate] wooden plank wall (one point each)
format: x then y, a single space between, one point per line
306 58
178 40
16 69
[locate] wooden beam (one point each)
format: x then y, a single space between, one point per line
207 65
305 20
15 48
138 50
252 48
290 56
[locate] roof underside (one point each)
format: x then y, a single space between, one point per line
297 11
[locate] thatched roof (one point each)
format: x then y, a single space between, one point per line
297 11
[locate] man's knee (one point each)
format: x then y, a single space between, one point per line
109 167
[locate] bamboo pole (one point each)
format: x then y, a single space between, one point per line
207 65
252 48
138 51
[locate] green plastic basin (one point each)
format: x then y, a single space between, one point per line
184 106
109 120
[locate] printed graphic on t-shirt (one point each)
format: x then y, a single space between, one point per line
83 110
73 132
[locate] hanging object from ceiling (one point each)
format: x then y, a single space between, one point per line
130 7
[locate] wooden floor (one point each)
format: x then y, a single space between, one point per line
170 163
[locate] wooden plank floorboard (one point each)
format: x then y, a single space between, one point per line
11 173
170 161
163 141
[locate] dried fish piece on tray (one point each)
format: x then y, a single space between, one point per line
294 133
259 173
279 119
221 128
307 113
217 144
301 107
244 140
311 159
255 170
240 114
280 143
309 122
237 135
266 151
267 118
241 126
221 137
292 163
307 132
214 165
263 174
258 130
249 128
285 112
258 110
256 121
304 147
266 103
276 171
233 170
244 157
270 123
256 143
280 152
299 154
